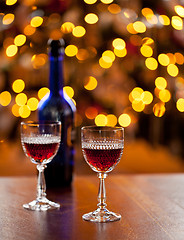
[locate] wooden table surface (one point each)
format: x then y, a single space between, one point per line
151 205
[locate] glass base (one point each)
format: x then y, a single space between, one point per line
41 205
101 215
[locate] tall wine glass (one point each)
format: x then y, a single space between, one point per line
40 143
102 148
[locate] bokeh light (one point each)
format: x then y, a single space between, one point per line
43 92
118 43
160 83
36 21
32 103
67 27
24 111
18 85
91 18
15 110
111 120
91 83
124 120
11 50
177 23
164 95
78 31
21 99
20 40
69 91
151 63
146 51
180 104
159 109
147 97
8 18
138 106
5 98
163 59
101 120
71 50
172 70
91 112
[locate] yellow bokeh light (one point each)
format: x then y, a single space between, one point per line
124 120
24 111
172 70
118 43
172 59
111 120
10 2
179 58
71 50
90 1
108 56
160 83
5 98
147 12
104 64
114 8
138 106
8 18
179 10
139 27
21 99
120 52
101 120
147 41
177 23
180 104
152 19
11 50
91 18
147 97
163 59
164 95
151 63
15 110
79 31
164 20
36 21
69 91
43 92
20 40
159 109
106 1
29 30
18 85
32 103
91 112
146 51
91 83
137 93
131 29
67 27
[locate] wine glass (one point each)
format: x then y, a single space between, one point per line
102 148
40 142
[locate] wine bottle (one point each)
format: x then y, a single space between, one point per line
58 107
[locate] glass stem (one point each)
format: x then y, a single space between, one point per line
101 192
41 186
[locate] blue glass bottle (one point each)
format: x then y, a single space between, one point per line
58 107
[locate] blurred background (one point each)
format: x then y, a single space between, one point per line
124 65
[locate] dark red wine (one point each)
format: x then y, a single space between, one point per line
42 149
102 160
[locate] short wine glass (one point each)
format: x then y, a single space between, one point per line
40 142
102 148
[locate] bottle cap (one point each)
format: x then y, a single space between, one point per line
56 47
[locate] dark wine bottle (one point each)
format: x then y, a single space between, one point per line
58 107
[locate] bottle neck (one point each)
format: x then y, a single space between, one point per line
56 80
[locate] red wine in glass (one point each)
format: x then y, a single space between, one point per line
102 160
41 148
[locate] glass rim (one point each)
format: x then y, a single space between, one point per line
102 128
41 123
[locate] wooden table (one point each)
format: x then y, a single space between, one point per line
152 208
